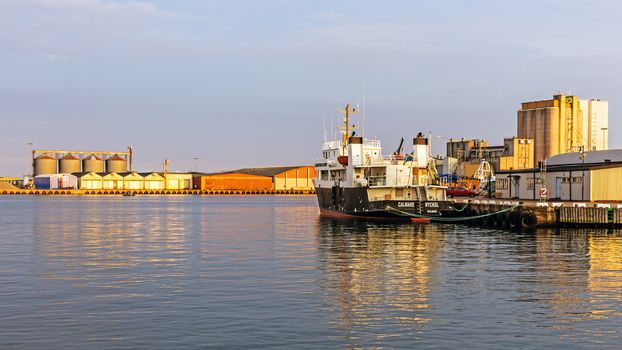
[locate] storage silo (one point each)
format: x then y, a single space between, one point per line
69 164
45 164
93 163
116 164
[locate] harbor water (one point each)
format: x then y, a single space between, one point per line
266 272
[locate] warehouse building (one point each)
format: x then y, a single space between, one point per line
178 181
575 176
111 181
56 182
152 181
132 181
12 181
89 181
297 178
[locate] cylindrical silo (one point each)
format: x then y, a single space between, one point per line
116 164
93 163
69 164
45 164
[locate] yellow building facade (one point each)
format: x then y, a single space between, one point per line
518 154
132 181
112 181
605 184
90 181
177 181
153 181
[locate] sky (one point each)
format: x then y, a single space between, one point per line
252 83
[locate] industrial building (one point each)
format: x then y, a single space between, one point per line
575 176
89 181
153 181
56 182
69 162
111 181
178 181
297 178
517 154
12 181
468 154
132 181
564 124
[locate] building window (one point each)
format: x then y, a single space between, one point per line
502 184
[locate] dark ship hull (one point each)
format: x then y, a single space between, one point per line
353 202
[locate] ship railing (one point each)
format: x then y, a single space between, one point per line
326 145
382 160
377 181
371 143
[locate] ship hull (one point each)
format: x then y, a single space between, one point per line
353 203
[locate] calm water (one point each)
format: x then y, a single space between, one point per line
267 273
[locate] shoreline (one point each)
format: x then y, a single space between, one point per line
35 192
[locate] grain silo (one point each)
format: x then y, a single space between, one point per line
45 164
69 164
93 164
116 164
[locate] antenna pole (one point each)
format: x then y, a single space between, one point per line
363 112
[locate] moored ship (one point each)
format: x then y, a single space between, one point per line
355 179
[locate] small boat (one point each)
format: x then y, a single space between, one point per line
129 194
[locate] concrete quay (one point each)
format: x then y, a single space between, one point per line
151 192
532 214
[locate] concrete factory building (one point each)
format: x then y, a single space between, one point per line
564 124
575 176
297 178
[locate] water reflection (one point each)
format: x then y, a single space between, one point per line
381 274
267 272
580 274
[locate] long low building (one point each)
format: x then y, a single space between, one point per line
576 176
133 181
298 178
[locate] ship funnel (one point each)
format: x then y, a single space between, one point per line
421 152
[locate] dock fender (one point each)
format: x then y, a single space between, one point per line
477 212
514 219
528 220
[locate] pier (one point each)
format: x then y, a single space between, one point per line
531 214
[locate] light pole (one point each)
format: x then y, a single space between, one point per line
32 161
604 130
582 156
196 164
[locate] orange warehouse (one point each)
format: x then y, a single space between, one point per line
236 181
298 178
253 179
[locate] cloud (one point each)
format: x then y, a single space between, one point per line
58 29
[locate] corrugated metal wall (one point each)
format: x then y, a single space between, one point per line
239 182
295 179
605 184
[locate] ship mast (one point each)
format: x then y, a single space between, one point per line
347 127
